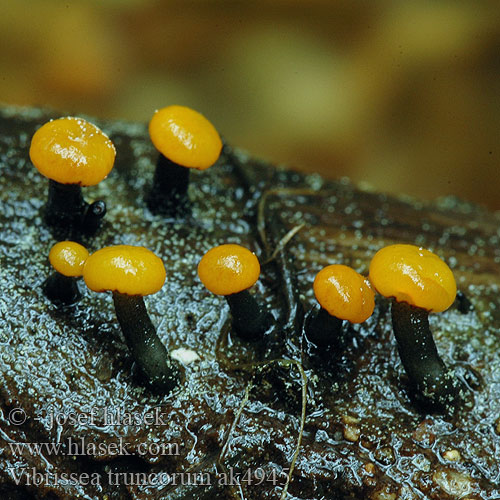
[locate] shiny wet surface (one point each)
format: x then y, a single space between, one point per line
363 435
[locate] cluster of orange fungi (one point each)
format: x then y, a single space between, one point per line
72 153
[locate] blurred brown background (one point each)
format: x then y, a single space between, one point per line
401 95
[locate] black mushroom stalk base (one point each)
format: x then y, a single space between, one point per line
68 214
322 329
250 321
61 290
65 205
152 357
168 194
426 371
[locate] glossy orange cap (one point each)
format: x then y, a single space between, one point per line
72 151
125 269
185 137
344 293
414 275
228 269
68 258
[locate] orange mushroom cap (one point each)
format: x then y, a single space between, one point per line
228 269
414 275
344 293
185 137
72 151
125 269
68 258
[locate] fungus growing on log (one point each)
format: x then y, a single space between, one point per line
230 270
68 259
72 153
419 283
186 140
343 294
132 272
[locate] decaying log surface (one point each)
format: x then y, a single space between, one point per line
240 410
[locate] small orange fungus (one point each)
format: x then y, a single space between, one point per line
228 269
344 293
413 275
185 137
125 269
68 258
72 151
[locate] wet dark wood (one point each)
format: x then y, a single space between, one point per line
364 435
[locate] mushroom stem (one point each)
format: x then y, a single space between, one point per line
68 212
322 329
140 334
249 321
428 374
65 205
169 189
62 290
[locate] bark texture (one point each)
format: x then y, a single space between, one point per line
364 435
